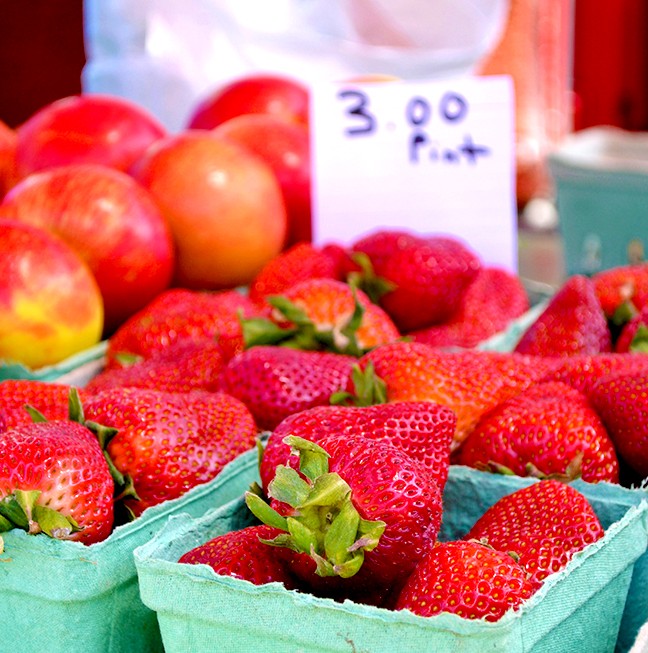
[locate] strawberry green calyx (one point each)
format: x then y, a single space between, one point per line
20 510
573 470
323 522
368 388
367 280
123 484
639 344
300 331
126 358
624 312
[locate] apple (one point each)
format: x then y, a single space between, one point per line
89 128
50 304
285 147
8 142
223 204
110 221
277 95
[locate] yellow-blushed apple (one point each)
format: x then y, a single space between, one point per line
50 304
111 221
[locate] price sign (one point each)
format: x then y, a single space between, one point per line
431 157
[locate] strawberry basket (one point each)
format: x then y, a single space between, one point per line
76 369
65 596
579 608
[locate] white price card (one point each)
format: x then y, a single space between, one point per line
430 157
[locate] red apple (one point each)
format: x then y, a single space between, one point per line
50 304
112 223
277 95
8 143
284 146
223 204
91 128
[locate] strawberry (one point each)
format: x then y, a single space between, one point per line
275 382
544 524
488 305
573 322
423 277
55 479
583 371
322 314
297 263
243 554
182 366
181 314
466 578
470 382
49 399
423 430
620 398
622 290
547 429
168 442
363 509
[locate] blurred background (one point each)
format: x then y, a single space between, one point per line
42 56
576 64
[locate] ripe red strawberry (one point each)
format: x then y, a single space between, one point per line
181 314
322 314
275 382
242 554
54 479
169 442
468 579
548 429
572 323
488 305
297 263
49 399
544 524
583 371
426 275
182 366
423 430
624 287
621 400
470 382
368 510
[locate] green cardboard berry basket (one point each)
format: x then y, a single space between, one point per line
579 609
67 597
601 180
76 370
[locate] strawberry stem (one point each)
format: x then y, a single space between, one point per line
368 388
367 280
124 487
301 332
639 344
323 522
21 510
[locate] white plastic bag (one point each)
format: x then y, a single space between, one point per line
166 54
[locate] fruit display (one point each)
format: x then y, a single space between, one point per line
316 407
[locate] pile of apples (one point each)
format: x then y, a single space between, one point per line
101 208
